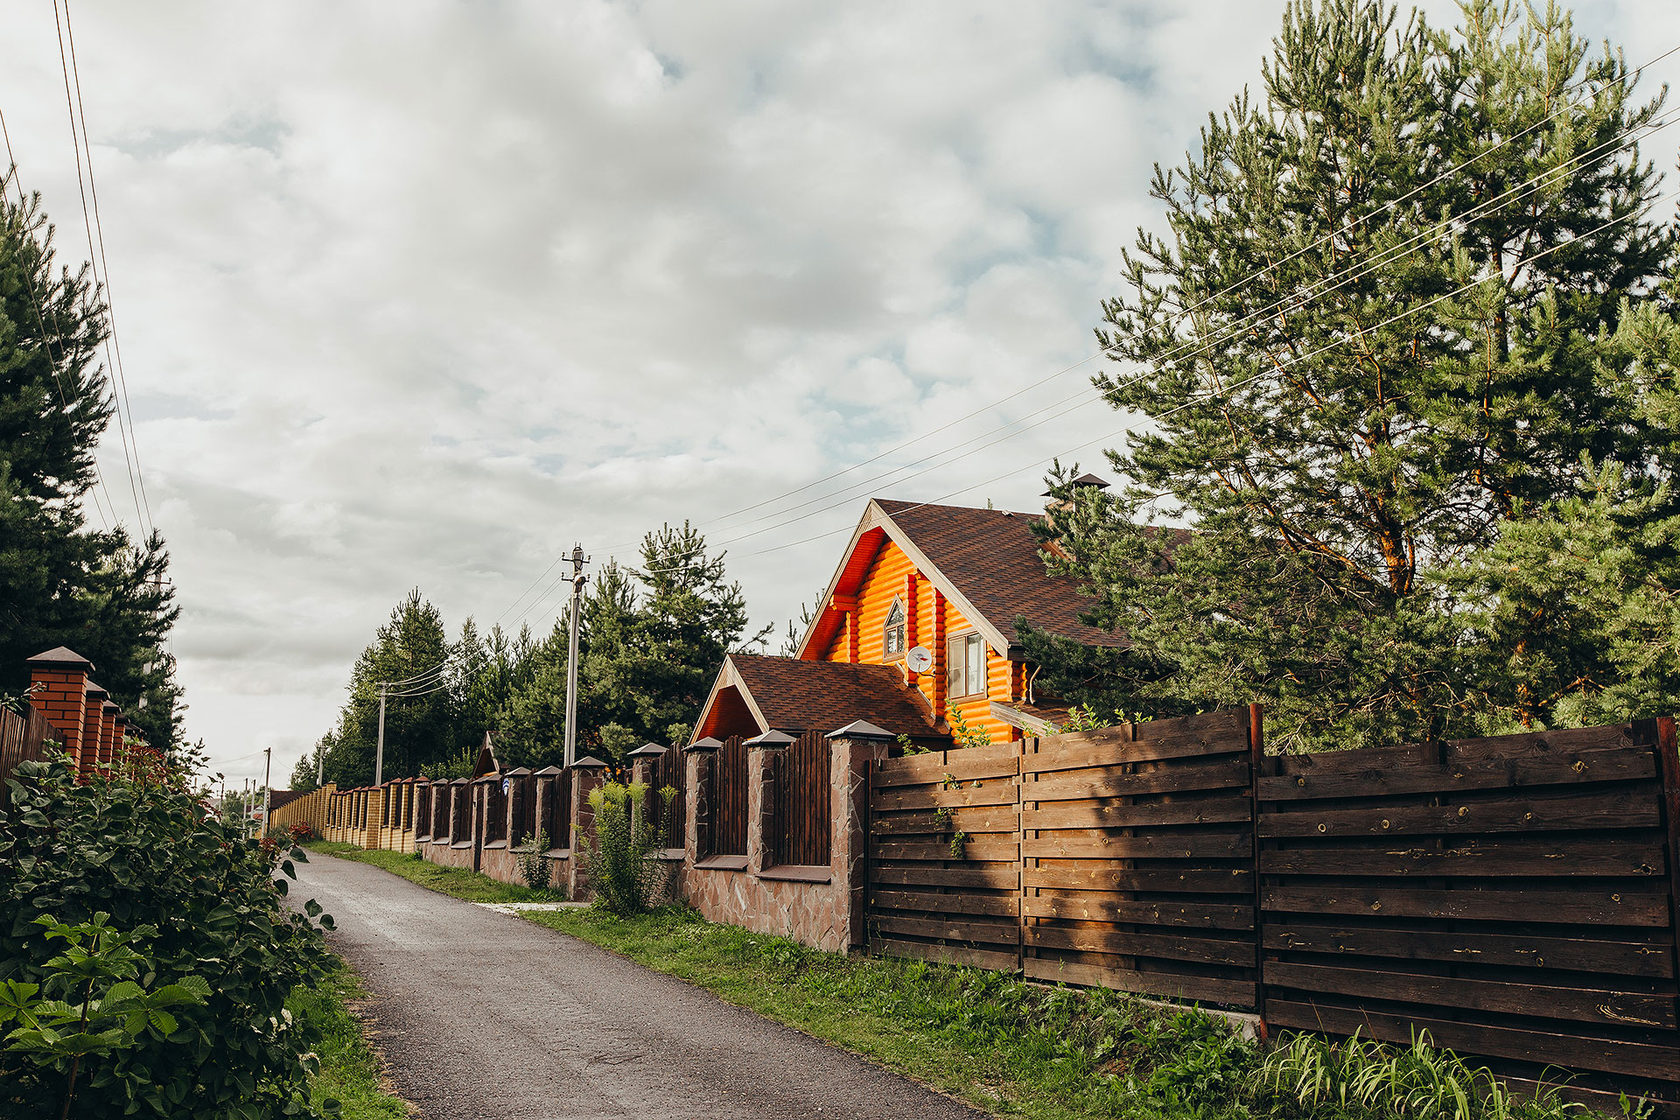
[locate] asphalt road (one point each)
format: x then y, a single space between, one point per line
485 1016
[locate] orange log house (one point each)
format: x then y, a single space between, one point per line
949 580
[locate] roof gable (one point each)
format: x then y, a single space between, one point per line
984 561
787 694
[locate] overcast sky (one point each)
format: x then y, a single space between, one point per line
417 294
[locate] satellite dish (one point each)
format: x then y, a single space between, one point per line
919 659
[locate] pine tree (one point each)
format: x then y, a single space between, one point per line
61 582
1367 346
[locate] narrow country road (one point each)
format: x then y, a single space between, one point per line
483 1016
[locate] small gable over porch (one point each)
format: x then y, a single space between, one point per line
754 693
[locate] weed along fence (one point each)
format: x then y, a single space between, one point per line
1516 897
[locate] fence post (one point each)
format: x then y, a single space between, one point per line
58 681
854 750
1668 765
588 772
642 761
1257 758
702 758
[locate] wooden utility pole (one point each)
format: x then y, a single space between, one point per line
578 578
379 751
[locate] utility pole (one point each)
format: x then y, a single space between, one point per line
320 765
379 751
268 789
578 578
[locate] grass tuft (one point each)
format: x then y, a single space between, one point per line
349 1069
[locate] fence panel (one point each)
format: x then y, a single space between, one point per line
1137 867
556 797
670 770
802 782
22 738
728 797
945 856
1513 896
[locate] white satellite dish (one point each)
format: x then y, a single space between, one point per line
919 659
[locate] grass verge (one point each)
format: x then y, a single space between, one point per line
349 1071
457 882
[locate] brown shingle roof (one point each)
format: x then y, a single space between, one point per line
991 556
797 696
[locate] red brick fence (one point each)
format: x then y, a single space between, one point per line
68 708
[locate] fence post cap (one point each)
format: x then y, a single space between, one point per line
93 691
589 762
517 772
440 781
550 772
777 740
461 782
862 729
647 750
706 744
60 655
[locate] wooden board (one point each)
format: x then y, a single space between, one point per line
1164 985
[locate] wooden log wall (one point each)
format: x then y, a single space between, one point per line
1516 897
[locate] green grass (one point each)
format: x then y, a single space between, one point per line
349 1070
457 882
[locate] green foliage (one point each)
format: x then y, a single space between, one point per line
536 870
58 578
1362 1078
192 898
347 1083
1358 373
963 733
623 874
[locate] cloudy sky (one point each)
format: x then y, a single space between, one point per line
417 294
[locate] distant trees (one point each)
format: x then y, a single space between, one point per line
61 581
649 642
1405 367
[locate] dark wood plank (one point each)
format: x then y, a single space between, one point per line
1162 985
1632 858
1522 950
1539 1047
1094 939
1102 875
988 819
1092 907
1005 876
1226 773
1210 811
966 763
1624 908
980 849
1531 814
1585 1005
1051 760
1001 906
979 931
1150 845
1300 781
937 796
1004 959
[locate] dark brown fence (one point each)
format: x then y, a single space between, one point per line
670 769
945 856
1137 868
800 783
495 812
727 798
555 795
1515 897
22 738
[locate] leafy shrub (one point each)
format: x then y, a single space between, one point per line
537 872
192 897
619 860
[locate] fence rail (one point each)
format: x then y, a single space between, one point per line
1518 897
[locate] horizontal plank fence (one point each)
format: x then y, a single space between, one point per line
23 738
1516 896
801 784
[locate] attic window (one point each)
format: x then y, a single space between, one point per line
892 631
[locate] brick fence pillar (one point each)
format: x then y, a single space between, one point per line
853 753
764 754
643 761
588 774
58 687
110 748
93 730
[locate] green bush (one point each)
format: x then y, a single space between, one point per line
536 870
197 904
619 859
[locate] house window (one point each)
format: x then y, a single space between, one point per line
966 666
892 633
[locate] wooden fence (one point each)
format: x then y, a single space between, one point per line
23 738
801 785
726 832
670 769
1516 897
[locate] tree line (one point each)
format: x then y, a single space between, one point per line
1404 368
650 639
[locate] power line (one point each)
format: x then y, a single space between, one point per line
140 511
